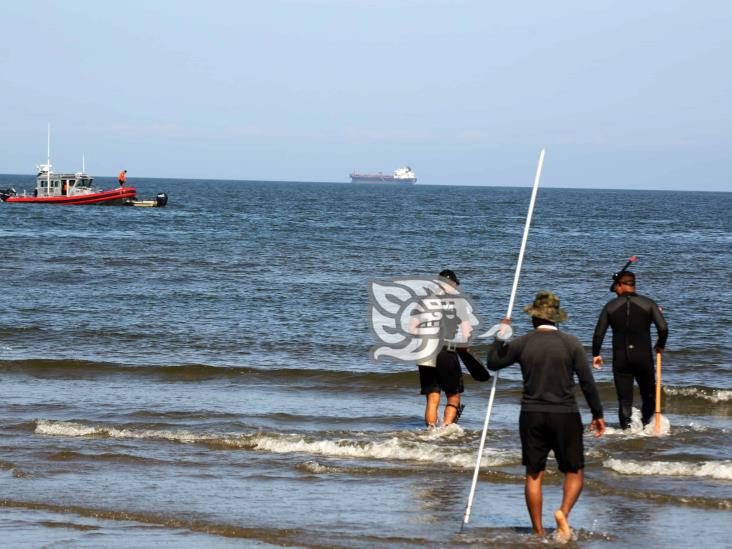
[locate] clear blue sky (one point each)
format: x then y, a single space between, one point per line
623 94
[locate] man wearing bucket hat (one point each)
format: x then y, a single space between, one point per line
630 315
550 418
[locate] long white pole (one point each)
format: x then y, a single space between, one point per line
526 234
469 507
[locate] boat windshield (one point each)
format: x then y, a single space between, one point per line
83 183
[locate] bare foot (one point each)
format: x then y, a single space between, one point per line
563 533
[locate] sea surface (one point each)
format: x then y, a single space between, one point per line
199 375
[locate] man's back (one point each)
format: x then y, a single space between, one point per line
630 316
549 360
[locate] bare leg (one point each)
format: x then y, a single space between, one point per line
573 483
430 411
451 411
533 495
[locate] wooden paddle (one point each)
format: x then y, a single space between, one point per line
657 427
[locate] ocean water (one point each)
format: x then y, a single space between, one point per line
198 375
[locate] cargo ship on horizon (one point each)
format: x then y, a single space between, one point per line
401 176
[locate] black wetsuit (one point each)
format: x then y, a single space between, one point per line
630 315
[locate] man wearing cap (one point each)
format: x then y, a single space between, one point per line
442 373
550 418
630 315
122 179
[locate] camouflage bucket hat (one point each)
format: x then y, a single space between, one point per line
546 306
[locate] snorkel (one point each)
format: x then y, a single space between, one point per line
633 259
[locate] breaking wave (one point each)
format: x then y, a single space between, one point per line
703 393
423 447
718 470
318 468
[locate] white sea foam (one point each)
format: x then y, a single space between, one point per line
560 539
713 395
665 427
71 429
699 428
318 468
637 429
719 470
593 452
393 448
390 449
444 432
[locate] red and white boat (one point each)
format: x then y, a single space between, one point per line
68 188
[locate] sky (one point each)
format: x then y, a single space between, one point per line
622 94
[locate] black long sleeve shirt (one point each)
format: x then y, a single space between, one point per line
630 315
549 361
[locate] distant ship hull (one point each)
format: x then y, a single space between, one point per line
401 176
377 178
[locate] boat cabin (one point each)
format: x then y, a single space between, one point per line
61 184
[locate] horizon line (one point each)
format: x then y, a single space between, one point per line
386 185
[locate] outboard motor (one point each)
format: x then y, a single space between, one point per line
7 193
162 199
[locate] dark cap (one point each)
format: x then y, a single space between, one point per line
450 275
623 271
617 276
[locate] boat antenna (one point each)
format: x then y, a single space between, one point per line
83 163
48 161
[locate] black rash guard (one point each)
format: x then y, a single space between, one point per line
549 362
630 316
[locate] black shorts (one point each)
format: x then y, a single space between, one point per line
560 432
445 376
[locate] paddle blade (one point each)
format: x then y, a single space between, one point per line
664 427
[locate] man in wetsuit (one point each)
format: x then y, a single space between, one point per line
550 418
630 315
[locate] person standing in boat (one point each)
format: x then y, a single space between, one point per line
122 179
